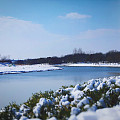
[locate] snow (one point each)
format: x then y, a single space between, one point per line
24 108
117 90
69 89
101 114
78 101
86 106
75 110
84 101
77 87
12 69
101 85
18 114
72 117
43 101
93 108
36 110
25 118
81 100
92 64
26 68
77 94
53 118
65 103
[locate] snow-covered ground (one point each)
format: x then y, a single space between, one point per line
101 114
10 69
92 64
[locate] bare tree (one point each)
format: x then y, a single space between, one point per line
4 58
80 51
75 51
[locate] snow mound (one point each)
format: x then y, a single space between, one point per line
26 68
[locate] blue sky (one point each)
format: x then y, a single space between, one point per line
40 28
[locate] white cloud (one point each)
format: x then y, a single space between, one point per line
24 39
74 15
101 40
100 34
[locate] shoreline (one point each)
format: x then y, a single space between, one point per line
11 69
27 68
90 65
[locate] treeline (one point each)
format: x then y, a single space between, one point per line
112 56
109 57
5 59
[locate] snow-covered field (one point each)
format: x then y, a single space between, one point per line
97 99
10 69
101 114
92 64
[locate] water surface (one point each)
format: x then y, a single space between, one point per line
19 87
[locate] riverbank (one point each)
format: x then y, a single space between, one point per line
96 99
15 69
91 64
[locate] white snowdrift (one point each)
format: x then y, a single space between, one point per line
101 114
26 68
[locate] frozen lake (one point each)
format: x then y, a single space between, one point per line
19 87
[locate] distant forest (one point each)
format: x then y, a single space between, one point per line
112 56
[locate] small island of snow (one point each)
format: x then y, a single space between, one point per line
11 69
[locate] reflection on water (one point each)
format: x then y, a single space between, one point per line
19 87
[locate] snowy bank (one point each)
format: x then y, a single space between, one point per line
101 114
10 69
91 64
97 99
